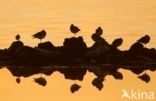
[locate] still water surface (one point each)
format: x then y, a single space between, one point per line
129 19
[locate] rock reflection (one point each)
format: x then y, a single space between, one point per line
74 58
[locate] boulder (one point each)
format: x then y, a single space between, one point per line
14 46
74 47
46 45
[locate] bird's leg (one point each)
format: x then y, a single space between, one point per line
40 41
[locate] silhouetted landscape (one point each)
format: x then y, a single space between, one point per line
74 58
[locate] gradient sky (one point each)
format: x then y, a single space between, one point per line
129 19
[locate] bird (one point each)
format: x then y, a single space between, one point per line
74 29
99 31
145 39
40 35
117 42
17 37
95 37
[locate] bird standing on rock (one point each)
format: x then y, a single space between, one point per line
74 29
95 37
117 42
40 35
99 31
145 39
17 37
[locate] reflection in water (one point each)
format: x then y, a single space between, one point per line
78 73
129 19
74 59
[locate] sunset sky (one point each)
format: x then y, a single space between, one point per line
129 19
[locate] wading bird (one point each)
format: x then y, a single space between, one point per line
74 29
144 40
99 31
117 42
40 35
17 37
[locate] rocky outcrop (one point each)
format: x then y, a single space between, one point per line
47 46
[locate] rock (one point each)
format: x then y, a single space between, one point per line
136 47
99 50
74 47
35 56
46 45
99 41
14 46
137 70
24 71
73 73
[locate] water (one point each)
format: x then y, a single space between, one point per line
128 19
119 18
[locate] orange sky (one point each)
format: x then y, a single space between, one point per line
129 19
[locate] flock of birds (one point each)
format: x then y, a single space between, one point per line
97 82
99 31
42 34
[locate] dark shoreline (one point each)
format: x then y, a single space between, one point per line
74 59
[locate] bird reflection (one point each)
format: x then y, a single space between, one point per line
74 58
18 80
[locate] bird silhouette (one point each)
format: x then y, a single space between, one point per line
95 37
117 42
74 29
17 37
40 35
18 80
99 31
145 39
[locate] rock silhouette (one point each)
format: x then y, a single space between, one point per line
74 58
14 47
47 46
